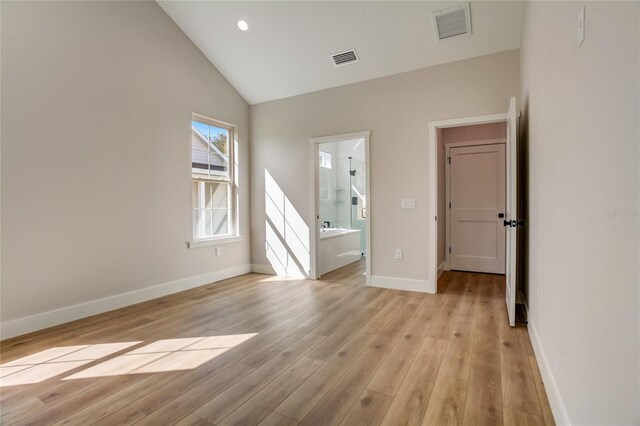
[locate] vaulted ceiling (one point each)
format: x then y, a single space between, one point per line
287 49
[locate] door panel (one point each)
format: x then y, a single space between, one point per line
512 210
477 194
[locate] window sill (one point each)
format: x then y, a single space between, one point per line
214 241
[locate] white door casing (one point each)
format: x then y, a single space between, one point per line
477 200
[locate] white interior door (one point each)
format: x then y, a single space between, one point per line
512 210
477 195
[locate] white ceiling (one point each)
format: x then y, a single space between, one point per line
287 50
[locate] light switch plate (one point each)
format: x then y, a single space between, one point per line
581 27
408 203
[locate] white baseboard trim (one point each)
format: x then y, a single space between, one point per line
423 286
555 400
442 268
48 319
262 269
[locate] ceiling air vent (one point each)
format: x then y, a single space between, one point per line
344 58
452 22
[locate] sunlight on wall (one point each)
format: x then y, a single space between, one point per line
160 356
286 232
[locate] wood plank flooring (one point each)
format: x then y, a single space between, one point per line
259 350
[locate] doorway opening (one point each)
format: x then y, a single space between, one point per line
487 128
472 191
511 221
341 203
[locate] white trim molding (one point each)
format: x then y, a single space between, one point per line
555 400
55 317
214 241
407 284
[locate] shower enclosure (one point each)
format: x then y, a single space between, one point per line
343 198
355 205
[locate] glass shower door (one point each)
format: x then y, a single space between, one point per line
358 200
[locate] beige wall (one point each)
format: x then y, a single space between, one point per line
396 110
581 109
478 132
97 101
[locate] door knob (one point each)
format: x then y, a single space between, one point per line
513 223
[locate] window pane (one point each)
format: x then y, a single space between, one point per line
220 222
211 209
325 160
209 150
219 195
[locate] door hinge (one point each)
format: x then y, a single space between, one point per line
449 160
449 249
449 205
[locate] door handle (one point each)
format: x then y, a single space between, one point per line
513 223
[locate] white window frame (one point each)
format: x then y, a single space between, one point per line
232 195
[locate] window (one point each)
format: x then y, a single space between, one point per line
213 184
325 160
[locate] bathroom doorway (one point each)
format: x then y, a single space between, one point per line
341 202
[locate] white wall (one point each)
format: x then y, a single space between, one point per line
97 101
581 110
396 110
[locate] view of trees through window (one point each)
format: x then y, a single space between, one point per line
217 136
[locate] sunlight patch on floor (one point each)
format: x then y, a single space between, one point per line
156 357
54 361
278 278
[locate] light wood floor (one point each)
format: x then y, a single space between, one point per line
296 352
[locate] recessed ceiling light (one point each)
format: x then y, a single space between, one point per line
243 26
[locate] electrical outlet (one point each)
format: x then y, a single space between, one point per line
409 203
218 251
398 254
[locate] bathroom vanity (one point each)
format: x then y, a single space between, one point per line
338 248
